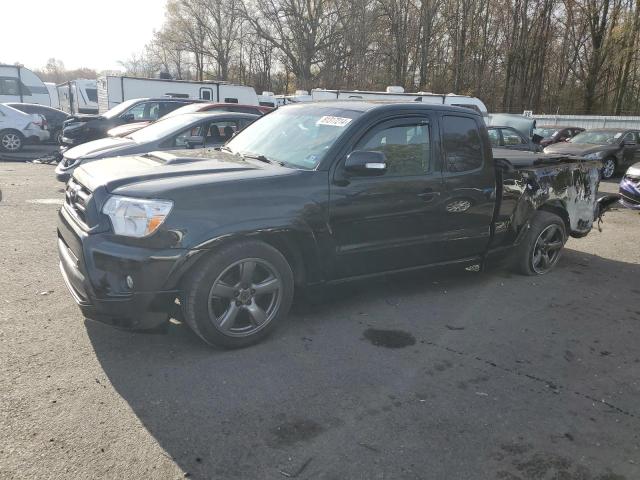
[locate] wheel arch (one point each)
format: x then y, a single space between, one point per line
559 209
299 247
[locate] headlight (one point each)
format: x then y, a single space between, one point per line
592 156
136 217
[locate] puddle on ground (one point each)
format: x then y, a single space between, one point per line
47 201
389 338
297 431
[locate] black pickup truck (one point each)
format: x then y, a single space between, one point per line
309 194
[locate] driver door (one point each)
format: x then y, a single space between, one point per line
388 222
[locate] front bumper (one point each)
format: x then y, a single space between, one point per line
63 174
94 268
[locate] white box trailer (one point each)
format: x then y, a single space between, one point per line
78 96
53 94
20 85
398 93
115 89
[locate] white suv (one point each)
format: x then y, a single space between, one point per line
17 127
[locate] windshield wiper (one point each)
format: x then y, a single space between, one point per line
261 158
224 148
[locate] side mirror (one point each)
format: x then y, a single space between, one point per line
129 117
195 141
536 138
366 163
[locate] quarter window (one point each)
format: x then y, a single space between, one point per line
461 143
406 147
511 138
494 137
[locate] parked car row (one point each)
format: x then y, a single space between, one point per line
187 131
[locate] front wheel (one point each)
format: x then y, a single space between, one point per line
238 295
11 141
608 168
541 248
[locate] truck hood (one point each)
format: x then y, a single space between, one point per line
166 167
102 147
578 149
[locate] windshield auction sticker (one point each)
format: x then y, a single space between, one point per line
333 121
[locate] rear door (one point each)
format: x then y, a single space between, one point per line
469 187
391 221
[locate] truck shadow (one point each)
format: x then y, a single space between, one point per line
303 393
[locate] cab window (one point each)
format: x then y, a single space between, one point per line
511 137
461 144
406 147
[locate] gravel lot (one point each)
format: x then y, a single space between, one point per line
497 376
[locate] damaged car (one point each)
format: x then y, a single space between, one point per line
630 188
311 194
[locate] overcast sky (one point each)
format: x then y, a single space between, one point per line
81 33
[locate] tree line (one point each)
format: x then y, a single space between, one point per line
566 56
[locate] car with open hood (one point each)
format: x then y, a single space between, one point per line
129 128
551 134
193 130
616 148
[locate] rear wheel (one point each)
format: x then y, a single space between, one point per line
608 168
11 141
238 295
540 250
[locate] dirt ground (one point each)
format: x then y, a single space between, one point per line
493 375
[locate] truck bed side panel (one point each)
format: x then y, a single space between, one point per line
568 189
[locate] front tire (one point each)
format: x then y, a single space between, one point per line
238 295
541 248
608 168
11 141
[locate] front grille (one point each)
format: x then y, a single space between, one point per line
77 198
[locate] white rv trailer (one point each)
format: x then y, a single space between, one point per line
78 96
20 85
115 89
53 94
268 99
398 93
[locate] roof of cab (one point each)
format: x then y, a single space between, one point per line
367 105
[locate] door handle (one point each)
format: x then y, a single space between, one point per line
428 194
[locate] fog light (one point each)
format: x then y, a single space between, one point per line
129 281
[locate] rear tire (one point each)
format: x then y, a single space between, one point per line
608 168
541 248
11 141
238 295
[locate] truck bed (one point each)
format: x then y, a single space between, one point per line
522 160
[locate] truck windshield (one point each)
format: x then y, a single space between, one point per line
296 135
118 109
597 137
